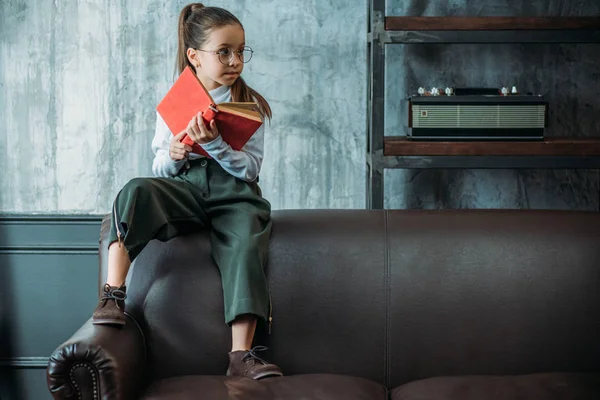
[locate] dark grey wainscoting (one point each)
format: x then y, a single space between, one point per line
48 288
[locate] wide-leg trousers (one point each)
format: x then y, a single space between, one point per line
204 196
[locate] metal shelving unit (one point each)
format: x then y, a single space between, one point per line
400 152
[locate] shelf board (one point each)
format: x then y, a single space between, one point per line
490 23
483 37
550 147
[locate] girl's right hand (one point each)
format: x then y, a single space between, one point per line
179 151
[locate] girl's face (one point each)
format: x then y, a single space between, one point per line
218 63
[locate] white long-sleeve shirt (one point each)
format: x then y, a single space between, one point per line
244 164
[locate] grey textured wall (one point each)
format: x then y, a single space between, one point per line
566 74
79 82
81 79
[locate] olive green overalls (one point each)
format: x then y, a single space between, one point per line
204 195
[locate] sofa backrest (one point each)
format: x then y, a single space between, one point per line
391 296
492 292
326 278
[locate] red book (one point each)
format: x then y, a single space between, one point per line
236 122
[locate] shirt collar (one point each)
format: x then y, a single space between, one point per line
219 92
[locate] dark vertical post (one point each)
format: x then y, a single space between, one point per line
375 107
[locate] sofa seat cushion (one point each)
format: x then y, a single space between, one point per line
306 387
546 386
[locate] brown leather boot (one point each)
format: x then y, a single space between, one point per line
247 364
111 307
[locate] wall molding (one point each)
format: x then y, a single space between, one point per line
54 235
48 250
50 218
24 362
49 234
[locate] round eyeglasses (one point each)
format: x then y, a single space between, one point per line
226 54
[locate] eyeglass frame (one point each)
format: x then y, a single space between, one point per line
238 52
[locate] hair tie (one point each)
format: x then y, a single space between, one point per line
197 6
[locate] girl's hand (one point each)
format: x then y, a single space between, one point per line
199 133
179 151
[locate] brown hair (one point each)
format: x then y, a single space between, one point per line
195 23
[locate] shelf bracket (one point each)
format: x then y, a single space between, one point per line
378 161
378 32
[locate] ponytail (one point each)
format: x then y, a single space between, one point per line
183 35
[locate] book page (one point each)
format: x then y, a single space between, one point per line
232 108
245 105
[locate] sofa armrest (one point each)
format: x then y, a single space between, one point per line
99 362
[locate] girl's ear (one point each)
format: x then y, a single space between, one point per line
192 56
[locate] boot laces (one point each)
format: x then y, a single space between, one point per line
251 354
111 293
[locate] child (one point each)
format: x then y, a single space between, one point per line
220 192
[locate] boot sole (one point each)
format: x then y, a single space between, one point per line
266 375
108 322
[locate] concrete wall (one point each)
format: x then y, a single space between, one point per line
80 79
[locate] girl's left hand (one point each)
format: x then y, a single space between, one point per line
199 133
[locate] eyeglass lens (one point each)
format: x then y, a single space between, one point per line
244 56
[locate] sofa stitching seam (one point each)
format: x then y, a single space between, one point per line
387 301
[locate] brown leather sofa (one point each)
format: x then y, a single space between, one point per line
456 304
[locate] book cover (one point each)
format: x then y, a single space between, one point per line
236 121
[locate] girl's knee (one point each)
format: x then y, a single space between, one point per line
136 187
137 184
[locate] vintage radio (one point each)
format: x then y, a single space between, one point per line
476 114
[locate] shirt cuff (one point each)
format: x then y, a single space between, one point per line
213 145
175 165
